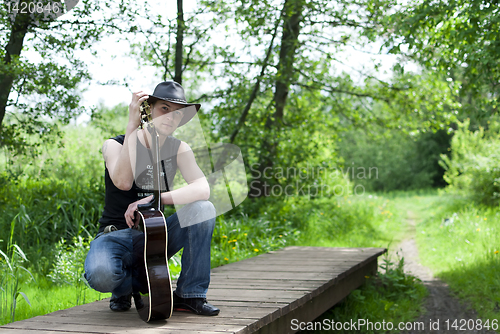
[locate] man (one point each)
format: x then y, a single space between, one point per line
117 251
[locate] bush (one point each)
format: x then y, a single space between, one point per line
474 167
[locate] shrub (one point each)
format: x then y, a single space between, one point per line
473 168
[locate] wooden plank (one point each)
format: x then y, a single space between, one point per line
238 310
283 275
113 327
262 282
279 260
256 295
259 304
290 269
132 319
317 306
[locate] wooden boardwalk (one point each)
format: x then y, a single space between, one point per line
258 295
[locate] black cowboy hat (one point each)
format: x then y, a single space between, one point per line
173 92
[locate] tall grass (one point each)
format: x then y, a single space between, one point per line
46 297
356 221
12 275
60 194
55 196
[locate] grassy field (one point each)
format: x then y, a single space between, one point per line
460 242
391 295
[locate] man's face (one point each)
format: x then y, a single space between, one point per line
167 116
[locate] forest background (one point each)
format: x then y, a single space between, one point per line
273 79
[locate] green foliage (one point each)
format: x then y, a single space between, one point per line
473 168
46 297
350 221
320 101
355 221
269 223
42 69
393 160
457 39
111 121
45 211
59 194
390 295
240 237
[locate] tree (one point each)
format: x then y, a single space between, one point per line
39 92
179 47
458 39
286 92
275 93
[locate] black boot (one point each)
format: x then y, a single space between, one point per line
199 306
120 304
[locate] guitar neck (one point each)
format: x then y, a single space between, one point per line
155 148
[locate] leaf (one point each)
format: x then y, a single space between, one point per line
20 252
28 272
6 259
25 298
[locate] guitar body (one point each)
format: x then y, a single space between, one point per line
154 281
158 302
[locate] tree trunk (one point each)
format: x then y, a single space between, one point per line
289 43
12 50
179 43
292 17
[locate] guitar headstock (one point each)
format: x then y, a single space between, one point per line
146 118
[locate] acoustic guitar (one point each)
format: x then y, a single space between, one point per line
157 298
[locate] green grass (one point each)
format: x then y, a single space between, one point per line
46 297
365 221
369 221
460 242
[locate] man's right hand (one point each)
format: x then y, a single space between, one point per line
131 211
134 110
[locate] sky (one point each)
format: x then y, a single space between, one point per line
114 64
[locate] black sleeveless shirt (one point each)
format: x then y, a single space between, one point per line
117 201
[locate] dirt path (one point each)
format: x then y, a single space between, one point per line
440 304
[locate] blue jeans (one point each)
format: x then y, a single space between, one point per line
110 263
